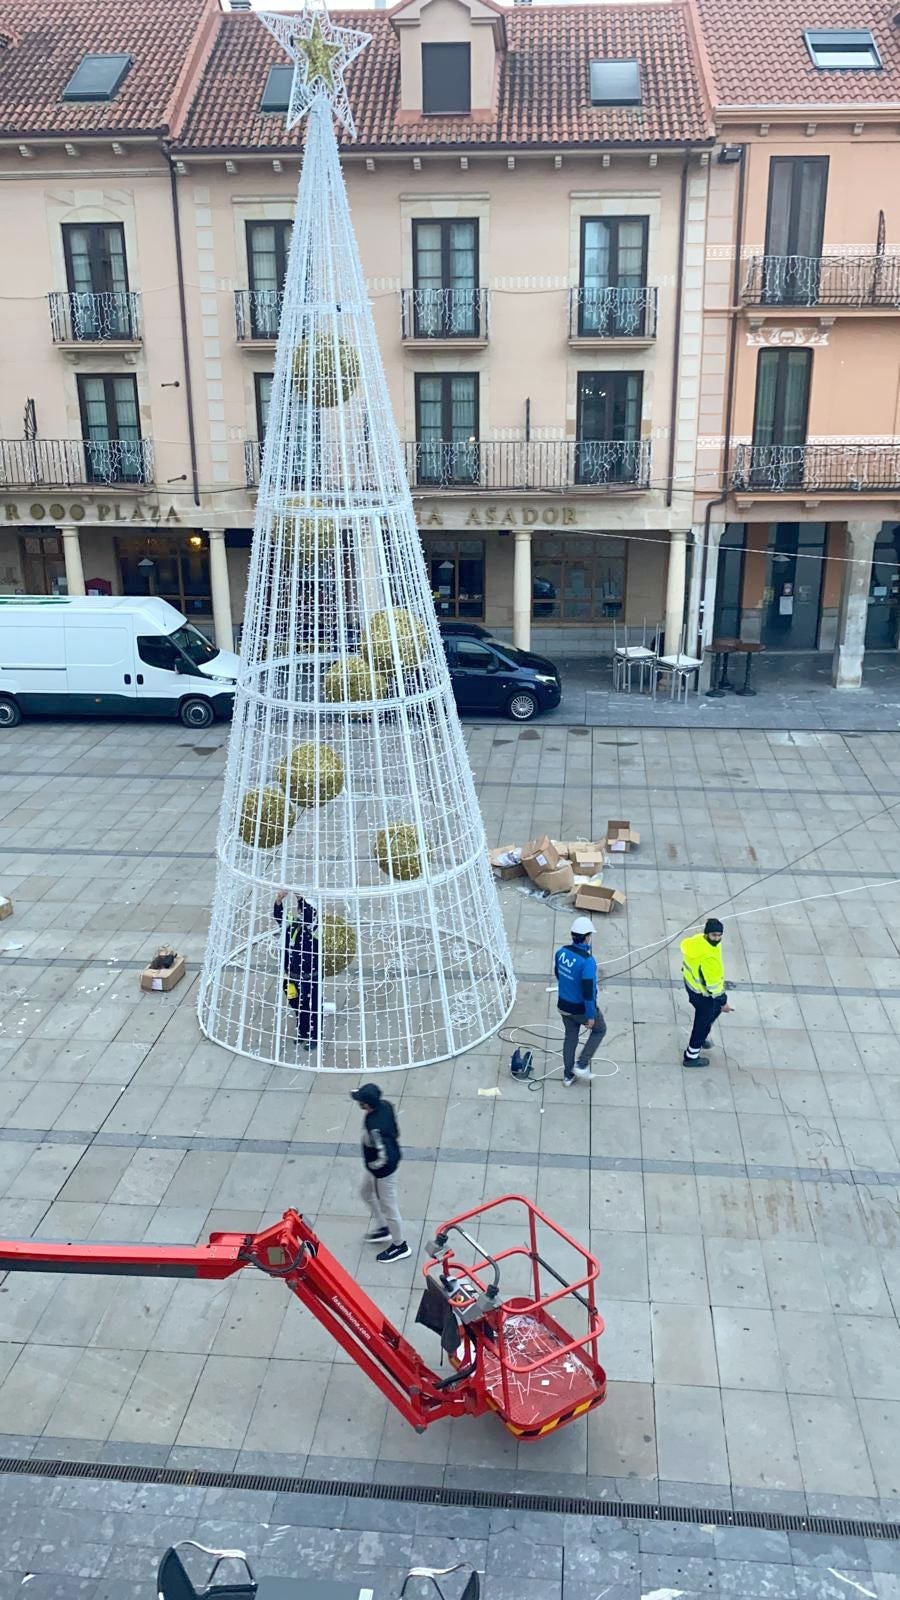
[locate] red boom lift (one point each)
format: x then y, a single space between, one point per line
510 1355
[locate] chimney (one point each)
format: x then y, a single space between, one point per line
241 5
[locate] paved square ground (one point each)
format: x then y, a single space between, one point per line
746 1218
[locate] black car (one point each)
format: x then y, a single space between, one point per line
490 676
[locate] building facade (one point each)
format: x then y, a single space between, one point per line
797 526
529 193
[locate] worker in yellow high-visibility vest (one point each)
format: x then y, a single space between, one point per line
703 972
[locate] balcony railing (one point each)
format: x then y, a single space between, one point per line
252 461
257 313
95 318
444 313
614 313
817 468
74 463
550 465
823 281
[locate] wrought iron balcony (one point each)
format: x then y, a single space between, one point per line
95 318
817 468
613 313
74 463
257 313
533 465
444 313
872 280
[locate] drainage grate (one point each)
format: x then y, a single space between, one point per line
423 1495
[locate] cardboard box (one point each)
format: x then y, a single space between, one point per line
567 847
6 907
501 870
597 897
621 835
557 880
540 855
587 859
160 980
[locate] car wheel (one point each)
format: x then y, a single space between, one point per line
10 715
196 713
522 706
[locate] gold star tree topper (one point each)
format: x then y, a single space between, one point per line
321 54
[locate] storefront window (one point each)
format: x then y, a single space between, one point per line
43 564
578 580
456 567
176 570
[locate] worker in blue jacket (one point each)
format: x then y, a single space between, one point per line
301 966
576 977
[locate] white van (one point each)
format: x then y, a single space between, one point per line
111 656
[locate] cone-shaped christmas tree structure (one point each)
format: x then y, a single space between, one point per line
347 781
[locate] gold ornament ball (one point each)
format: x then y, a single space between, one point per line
412 639
265 817
338 943
312 773
354 679
293 529
326 391
398 851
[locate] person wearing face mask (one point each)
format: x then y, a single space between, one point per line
703 972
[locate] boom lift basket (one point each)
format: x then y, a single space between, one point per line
531 1356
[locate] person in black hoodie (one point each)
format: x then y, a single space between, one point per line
301 966
382 1155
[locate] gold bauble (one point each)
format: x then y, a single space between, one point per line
398 851
325 390
337 940
295 528
265 817
312 774
354 679
412 639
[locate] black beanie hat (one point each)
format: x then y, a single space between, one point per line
713 925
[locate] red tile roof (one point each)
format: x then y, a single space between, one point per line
543 98
758 56
48 39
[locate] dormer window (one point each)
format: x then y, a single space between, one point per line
446 78
97 77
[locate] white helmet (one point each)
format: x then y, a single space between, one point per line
582 926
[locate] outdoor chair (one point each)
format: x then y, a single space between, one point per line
471 1591
681 668
628 657
173 1583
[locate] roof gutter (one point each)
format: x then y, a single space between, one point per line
182 310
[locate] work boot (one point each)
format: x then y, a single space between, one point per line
695 1061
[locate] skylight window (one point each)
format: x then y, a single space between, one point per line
277 93
615 83
842 49
97 77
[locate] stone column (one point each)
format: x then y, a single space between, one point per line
522 589
72 558
850 650
221 593
675 576
708 598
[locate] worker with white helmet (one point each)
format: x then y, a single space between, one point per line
576 977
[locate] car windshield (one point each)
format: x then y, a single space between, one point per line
194 644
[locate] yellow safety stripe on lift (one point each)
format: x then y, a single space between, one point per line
548 1427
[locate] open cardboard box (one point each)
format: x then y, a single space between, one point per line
160 980
501 869
587 859
620 835
597 897
557 880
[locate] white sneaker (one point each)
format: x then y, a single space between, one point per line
584 1074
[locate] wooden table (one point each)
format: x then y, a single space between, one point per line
721 649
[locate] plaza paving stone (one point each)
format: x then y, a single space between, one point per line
747 1218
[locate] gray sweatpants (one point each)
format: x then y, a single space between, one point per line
380 1195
